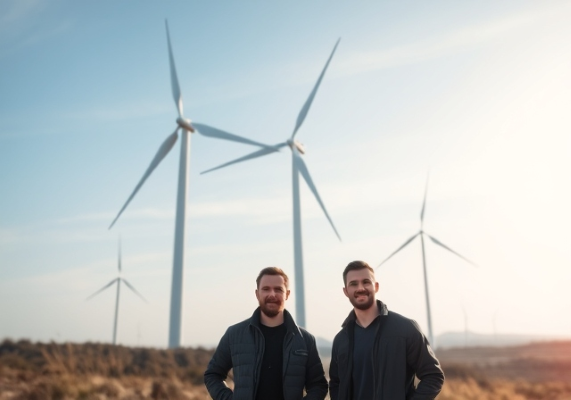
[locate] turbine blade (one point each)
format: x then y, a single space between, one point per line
174 79
302 168
102 289
209 131
307 105
133 289
399 249
255 154
423 203
161 153
438 242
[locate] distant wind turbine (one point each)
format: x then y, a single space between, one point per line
185 127
117 281
465 326
421 233
298 167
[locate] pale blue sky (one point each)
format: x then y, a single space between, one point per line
479 94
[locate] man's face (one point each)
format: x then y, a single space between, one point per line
272 294
360 288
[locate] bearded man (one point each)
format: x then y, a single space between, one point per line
377 354
272 358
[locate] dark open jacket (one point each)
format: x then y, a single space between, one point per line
400 352
242 348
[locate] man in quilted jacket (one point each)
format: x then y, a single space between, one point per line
378 353
272 358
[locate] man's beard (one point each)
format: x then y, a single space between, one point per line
363 306
270 312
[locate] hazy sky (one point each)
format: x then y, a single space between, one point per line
477 94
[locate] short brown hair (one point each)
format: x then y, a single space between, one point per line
272 271
356 266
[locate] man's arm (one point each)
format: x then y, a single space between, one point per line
334 374
315 382
217 371
426 366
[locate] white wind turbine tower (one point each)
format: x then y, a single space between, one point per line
185 127
465 326
118 281
298 167
422 233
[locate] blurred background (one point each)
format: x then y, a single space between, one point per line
476 95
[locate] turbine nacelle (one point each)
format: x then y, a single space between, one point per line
294 143
185 124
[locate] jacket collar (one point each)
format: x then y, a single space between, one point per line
383 311
288 321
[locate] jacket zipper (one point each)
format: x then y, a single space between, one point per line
287 342
260 336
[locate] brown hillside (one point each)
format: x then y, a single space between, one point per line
538 371
99 371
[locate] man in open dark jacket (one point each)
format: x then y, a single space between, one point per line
272 358
378 353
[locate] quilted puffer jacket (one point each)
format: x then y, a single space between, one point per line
242 348
400 354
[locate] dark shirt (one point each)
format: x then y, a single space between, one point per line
363 374
270 385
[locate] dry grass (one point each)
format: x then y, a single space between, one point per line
540 371
98 371
65 386
499 389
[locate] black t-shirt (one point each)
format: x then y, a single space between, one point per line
363 379
271 385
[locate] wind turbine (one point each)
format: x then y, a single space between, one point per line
298 167
117 281
422 233
465 326
186 128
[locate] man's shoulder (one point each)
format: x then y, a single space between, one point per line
240 326
404 324
397 317
345 326
341 335
306 334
